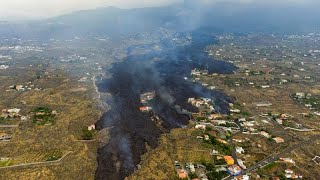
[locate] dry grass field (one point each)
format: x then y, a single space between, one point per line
33 143
178 145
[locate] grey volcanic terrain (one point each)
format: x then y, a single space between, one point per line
138 74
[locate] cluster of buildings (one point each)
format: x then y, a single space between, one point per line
288 122
243 177
10 113
287 160
24 49
241 124
73 58
23 87
267 135
249 126
7 114
4 56
282 117
5 137
196 72
191 168
205 137
278 140
312 105
214 122
291 175
233 169
3 67
19 87
202 103
285 120
208 117
302 95
233 109
145 99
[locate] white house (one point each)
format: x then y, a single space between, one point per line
239 150
200 126
92 127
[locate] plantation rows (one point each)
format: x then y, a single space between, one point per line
39 157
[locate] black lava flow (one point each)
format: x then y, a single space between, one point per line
132 129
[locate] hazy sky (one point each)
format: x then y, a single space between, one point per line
47 8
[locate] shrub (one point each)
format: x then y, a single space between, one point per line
87 135
192 175
208 128
245 114
42 116
53 158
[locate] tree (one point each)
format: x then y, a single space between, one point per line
214 175
245 113
208 128
87 135
192 175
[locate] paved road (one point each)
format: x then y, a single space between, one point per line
36 164
9 126
275 157
233 148
234 153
